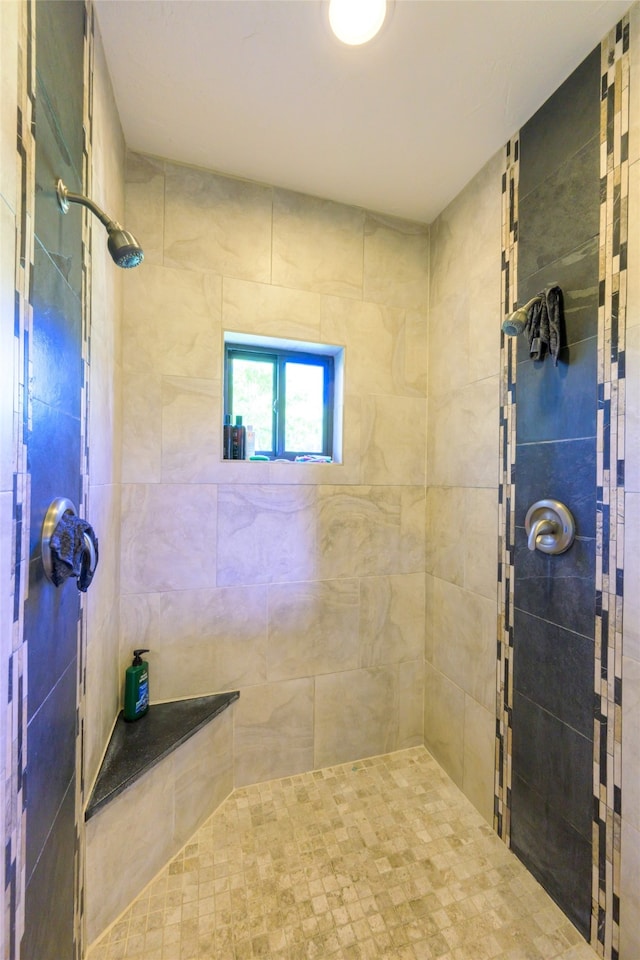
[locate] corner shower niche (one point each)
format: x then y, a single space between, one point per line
150 797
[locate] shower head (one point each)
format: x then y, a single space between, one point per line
123 246
516 323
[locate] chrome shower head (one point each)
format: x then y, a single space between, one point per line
516 323
123 246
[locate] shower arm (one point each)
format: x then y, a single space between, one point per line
65 197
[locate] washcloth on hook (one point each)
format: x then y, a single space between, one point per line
544 324
71 553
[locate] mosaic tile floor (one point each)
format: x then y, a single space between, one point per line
379 858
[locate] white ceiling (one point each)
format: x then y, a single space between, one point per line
261 89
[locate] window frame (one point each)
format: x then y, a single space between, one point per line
280 356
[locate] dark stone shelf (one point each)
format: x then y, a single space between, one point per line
136 747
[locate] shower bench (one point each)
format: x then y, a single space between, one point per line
150 797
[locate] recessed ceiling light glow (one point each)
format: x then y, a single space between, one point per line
356 21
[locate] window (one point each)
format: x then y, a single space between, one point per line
285 390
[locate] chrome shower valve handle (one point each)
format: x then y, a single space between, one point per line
550 527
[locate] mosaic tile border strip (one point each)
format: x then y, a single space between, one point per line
506 494
16 704
614 180
87 222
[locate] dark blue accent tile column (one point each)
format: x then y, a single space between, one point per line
53 451
551 797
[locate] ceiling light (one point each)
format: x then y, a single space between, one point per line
356 21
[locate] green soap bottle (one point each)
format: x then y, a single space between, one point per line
136 687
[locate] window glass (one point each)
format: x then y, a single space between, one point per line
253 387
304 412
284 393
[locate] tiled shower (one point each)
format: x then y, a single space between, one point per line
313 592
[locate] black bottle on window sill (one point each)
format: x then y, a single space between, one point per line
227 438
238 440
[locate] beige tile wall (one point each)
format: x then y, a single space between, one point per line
104 428
630 858
462 458
302 585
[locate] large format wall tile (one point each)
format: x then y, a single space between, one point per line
562 470
480 541
356 715
391 619
631 742
51 762
217 223
393 436
561 401
562 588
410 704
557 855
270 311
266 534
444 722
576 273
479 748
573 108
554 668
273 731
144 192
203 773
317 244
142 427
376 340
191 414
632 575
207 641
396 257
629 891
465 238
563 209
449 334
462 442
556 761
633 241
7 294
632 417
9 96
108 847
313 628
172 322
466 624
54 872
168 537
368 531
446 532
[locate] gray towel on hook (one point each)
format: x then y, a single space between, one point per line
70 556
544 324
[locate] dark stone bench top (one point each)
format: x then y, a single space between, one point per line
136 747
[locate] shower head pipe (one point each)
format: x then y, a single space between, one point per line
123 246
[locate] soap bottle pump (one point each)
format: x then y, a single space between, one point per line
136 687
